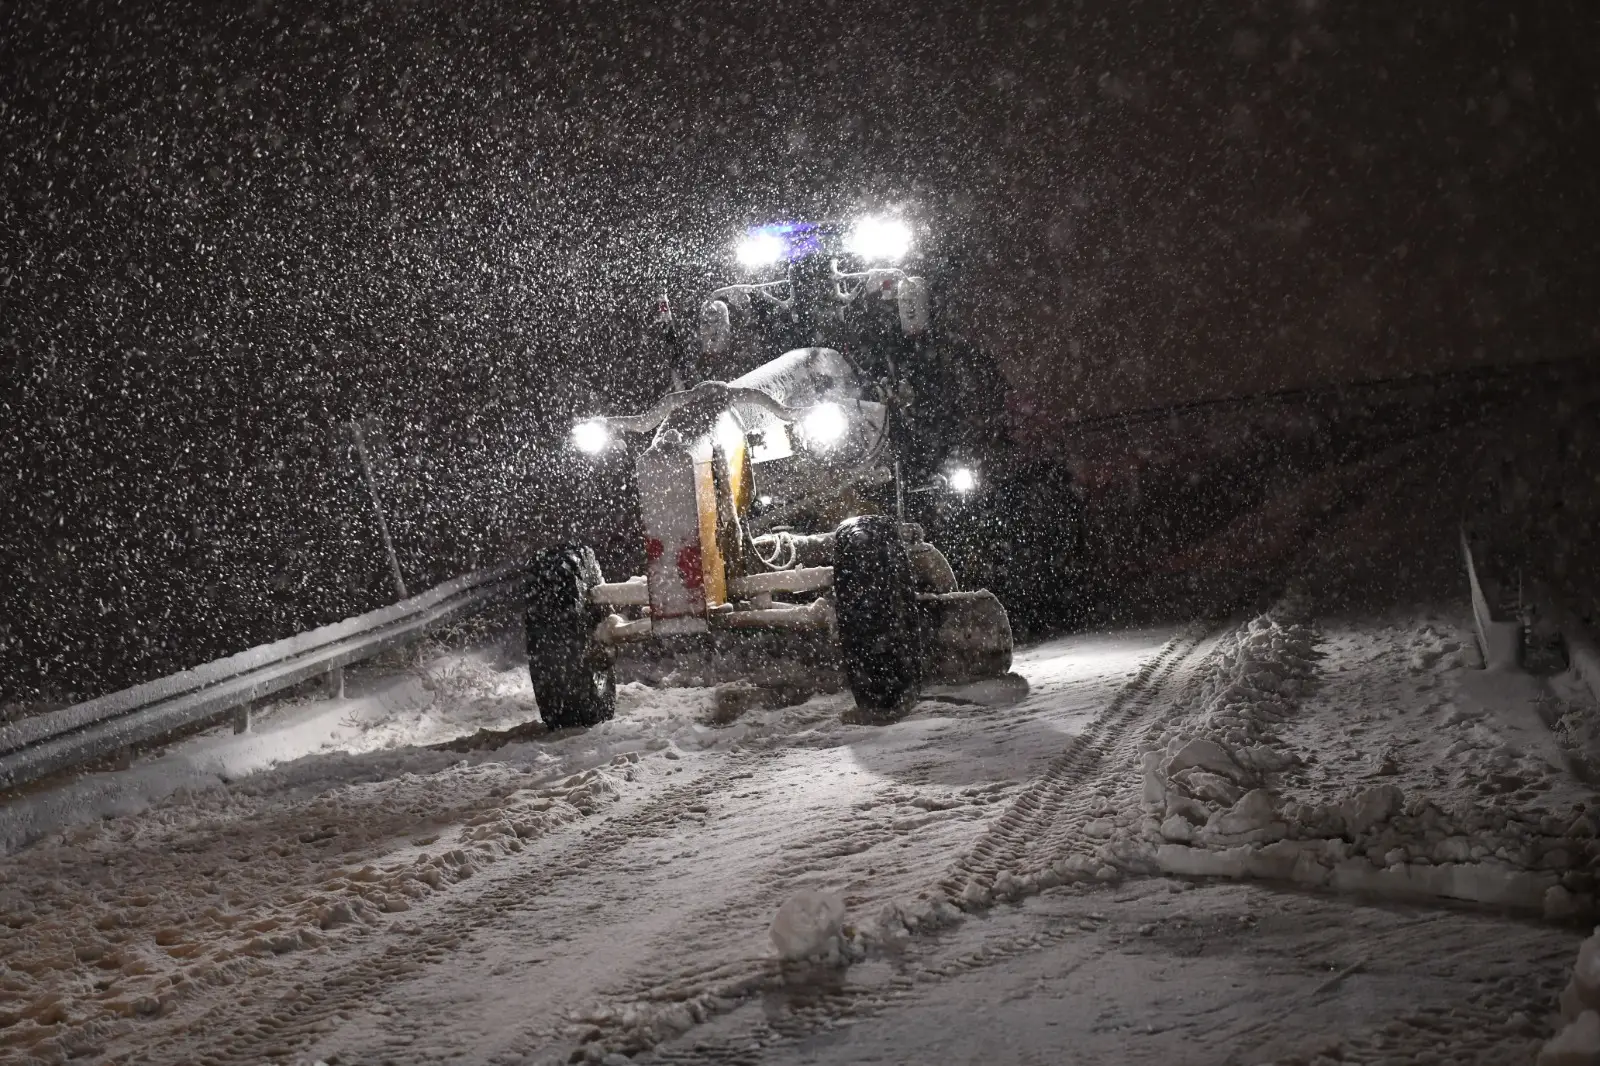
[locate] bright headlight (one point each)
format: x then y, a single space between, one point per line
879 240
591 437
760 249
962 479
824 426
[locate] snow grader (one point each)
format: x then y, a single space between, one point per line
779 507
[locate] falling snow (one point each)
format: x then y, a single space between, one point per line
1245 320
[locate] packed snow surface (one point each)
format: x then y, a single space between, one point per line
657 822
376 878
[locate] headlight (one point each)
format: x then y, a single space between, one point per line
775 242
824 426
591 437
879 240
760 249
962 479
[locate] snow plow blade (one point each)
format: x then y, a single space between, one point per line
967 638
802 659
968 635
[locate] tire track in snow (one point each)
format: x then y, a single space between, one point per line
170 906
1028 836
653 1007
1275 951
534 893
287 1010
822 1001
731 961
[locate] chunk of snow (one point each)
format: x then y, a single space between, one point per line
1560 904
1181 861
1255 809
1476 882
1289 860
1583 990
1369 807
1202 784
1578 1044
1177 829
1265 759
807 924
1202 753
1155 782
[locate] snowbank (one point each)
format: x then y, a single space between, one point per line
1382 765
1578 1042
390 724
1216 781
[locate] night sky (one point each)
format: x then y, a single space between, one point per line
226 229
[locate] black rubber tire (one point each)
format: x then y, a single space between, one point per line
880 627
572 674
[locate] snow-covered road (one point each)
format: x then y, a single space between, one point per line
1165 972
1003 856
398 900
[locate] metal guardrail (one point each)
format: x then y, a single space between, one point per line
1499 638
36 747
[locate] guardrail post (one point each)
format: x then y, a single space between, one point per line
241 718
333 684
377 507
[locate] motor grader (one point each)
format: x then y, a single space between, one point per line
778 507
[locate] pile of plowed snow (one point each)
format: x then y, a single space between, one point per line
1380 759
412 718
1578 1042
1264 780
